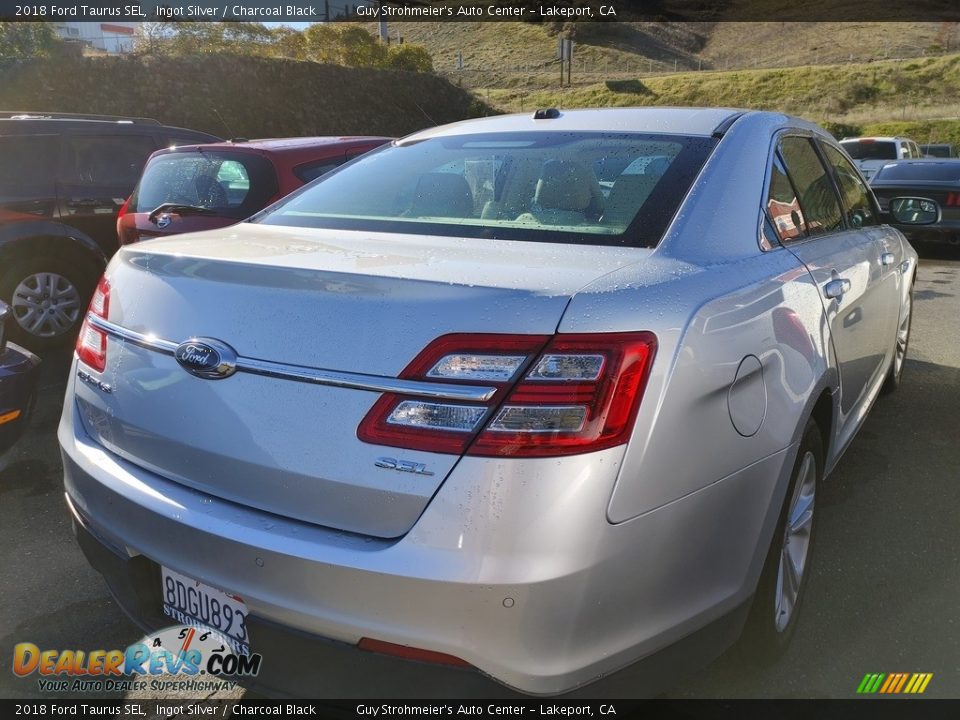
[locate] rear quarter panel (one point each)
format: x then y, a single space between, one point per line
709 320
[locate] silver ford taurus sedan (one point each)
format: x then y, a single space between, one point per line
506 406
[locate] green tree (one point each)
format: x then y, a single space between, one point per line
344 44
321 43
289 43
409 57
26 39
361 49
153 38
200 38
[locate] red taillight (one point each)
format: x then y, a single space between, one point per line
571 394
123 209
92 343
130 234
447 426
410 653
953 199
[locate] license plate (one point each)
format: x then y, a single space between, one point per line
191 602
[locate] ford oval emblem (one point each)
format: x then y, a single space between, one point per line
206 358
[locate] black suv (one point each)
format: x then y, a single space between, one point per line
63 179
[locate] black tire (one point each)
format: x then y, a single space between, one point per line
74 270
769 630
895 373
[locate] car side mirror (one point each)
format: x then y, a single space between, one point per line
914 211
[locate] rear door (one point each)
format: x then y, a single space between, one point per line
96 174
27 188
862 213
844 261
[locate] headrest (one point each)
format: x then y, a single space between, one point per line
565 185
627 196
442 195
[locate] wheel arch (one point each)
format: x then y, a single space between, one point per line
47 236
823 414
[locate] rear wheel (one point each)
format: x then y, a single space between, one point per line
901 344
783 581
48 295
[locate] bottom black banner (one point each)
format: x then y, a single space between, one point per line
867 708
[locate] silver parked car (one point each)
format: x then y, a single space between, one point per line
507 405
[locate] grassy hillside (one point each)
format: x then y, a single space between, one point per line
774 44
496 50
858 94
516 54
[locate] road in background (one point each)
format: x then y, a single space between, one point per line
883 596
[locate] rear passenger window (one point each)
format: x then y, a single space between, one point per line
854 195
783 207
815 191
28 159
311 171
105 160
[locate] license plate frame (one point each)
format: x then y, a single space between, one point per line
188 601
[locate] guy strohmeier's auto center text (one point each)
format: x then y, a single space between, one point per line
491 710
463 12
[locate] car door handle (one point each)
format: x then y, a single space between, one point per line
887 258
836 288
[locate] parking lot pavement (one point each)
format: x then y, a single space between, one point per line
883 596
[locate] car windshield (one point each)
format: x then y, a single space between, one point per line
921 171
227 183
595 188
870 149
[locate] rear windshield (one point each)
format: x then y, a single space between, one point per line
923 171
594 188
231 184
870 149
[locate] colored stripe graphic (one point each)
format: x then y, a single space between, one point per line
894 683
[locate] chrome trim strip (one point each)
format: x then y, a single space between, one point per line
150 342
312 375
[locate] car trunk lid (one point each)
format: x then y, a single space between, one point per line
343 302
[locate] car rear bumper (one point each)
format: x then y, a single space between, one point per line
300 664
513 568
18 382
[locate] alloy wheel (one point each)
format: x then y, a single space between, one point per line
46 304
903 337
795 550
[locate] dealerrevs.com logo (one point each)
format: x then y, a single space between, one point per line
193 654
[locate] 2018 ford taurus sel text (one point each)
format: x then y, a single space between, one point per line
507 405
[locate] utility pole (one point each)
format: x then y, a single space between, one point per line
565 55
384 32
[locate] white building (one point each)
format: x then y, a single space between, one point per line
112 37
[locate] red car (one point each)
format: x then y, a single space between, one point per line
202 187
